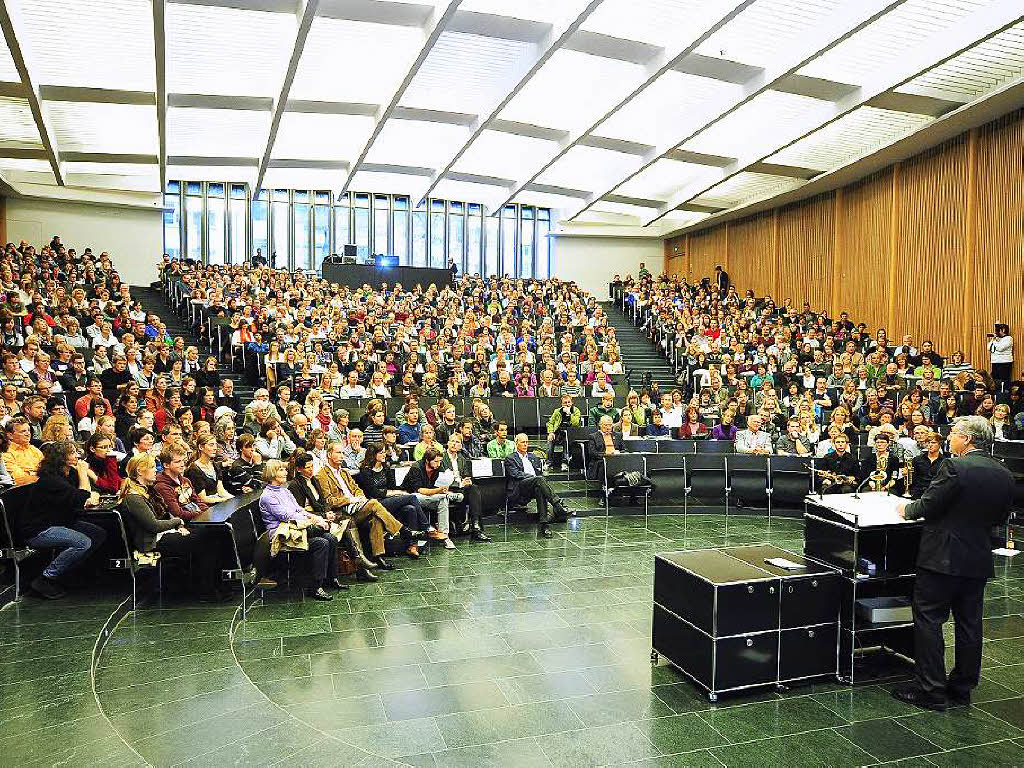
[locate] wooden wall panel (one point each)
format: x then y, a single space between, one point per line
806 242
931 243
998 289
3 221
750 254
707 250
863 220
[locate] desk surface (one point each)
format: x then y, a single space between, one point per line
869 510
222 511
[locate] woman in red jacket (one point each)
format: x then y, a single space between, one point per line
103 471
692 426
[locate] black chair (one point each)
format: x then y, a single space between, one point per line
715 446
501 409
623 462
525 415
677 446
747 479
668 473
12 503
641 446
706 478
1008 449
127 561
789 479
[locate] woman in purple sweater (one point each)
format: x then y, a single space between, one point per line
726 430
278 505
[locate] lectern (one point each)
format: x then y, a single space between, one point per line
875 551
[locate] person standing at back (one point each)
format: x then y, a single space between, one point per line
971 492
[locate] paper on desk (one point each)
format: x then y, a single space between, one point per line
1006 552
781 562
481 467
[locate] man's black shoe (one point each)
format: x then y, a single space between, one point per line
364 575
384 565
47 588
320 594
958 699
478 535
337 584
912 694
546 532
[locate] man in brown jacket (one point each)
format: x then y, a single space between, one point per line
343 497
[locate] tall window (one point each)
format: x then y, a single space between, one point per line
542 264
419 236
279 229
237 221
526 242
400 229
457 235
491 257
474 234
362 226
381 215
215 226
172 220
342 224
261 224
437 252
508 241
300 213
321 228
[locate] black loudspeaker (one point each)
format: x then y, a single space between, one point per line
350 251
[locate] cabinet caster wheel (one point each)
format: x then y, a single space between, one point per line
654 657
780 688
712 697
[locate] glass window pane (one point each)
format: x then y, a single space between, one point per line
437 253
526 244
491 249
362 226
419 239
321 233
474 233
174 187
172 225
400 236
381 205
323 198
236 246
260 229
193 188
194 227
279 251
215 229
238 191
342 225
303 257
300 196
508 241
456 235
542 267
214 190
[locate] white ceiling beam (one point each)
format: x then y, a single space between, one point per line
12 90
980 26
268 6
160 64
432 30
96 95
14 33
311 165
402 170
555 38
107 157
204 160
23 153
377 12
836 28
304 14
661 63
214 101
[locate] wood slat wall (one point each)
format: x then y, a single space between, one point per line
932 246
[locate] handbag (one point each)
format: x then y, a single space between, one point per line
631 480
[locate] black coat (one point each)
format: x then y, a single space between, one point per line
308 493
924 472
51 501
968 496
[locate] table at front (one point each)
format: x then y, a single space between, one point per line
355 275
843 530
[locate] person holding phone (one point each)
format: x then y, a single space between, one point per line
1000 350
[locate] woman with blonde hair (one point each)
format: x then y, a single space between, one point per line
57 427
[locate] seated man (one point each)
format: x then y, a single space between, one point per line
344 497
567 415
841 463
753 439
885 463
246 473
472 446
500 447
606 408
604 442
422 479
523 481
174 491
21 458
456 462
793 443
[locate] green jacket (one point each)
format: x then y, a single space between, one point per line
499 450
555 420
594 417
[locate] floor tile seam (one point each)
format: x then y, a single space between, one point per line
106 633
179 726
937 749
997 717
102 691
731 743
281 709
910 716
193 758
844 737
711 725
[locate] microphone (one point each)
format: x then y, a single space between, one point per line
856 494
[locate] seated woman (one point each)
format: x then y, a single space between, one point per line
245 474
103 472
692 426
87 425
152 529
726 430
273 443
225 432
656 428
52 519
57 427
428 441
373 480
277 506
204 473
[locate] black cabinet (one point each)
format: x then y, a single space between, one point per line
731 621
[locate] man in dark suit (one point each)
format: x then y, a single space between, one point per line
721 280
971 493
602 443
523 481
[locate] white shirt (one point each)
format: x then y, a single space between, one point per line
527 466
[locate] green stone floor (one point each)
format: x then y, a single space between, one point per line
522 652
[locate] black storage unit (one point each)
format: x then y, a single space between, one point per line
732 622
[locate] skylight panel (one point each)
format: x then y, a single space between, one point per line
27 170
467 73
767 120
638 212
882 43
91 44
315 136
655 115
8 72
747 187
981 69
227 51
354 61
113 128
767 30
657 22
684 218
17 126
863 130
548 11
217 132
660 180
572 90
489 195
504 155
589 169
417 143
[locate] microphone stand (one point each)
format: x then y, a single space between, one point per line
856 494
